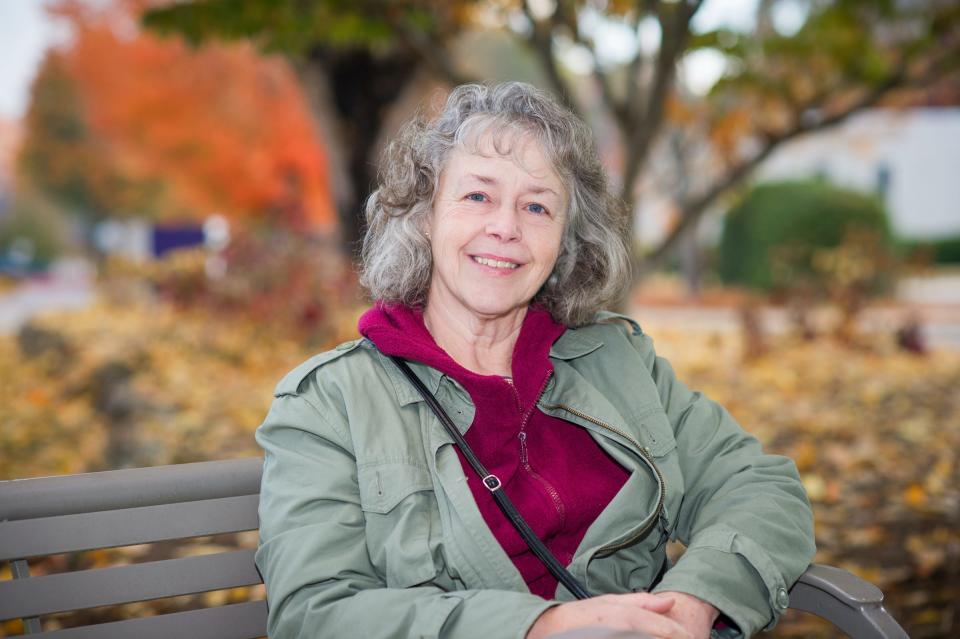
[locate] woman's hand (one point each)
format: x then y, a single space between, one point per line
694 614
639 611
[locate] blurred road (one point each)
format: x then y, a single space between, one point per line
68 285
940 326
935 302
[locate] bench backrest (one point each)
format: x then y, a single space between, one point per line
52 515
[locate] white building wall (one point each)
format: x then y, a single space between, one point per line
917 149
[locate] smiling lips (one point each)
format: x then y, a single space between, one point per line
494 263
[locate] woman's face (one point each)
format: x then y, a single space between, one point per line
496 228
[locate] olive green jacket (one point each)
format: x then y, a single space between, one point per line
368 528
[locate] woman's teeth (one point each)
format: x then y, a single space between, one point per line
494 263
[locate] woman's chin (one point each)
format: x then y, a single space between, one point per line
493 307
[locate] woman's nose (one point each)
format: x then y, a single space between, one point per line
504 224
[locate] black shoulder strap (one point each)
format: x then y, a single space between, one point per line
492 482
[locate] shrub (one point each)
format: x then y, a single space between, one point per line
945 250
785 235
36 229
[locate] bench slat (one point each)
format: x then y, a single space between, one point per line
129 488
235 621
107 529
124 584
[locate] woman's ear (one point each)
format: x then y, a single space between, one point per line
426 222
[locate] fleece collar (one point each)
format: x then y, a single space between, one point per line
399 330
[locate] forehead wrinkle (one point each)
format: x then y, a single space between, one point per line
485 179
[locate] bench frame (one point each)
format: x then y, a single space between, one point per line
52 515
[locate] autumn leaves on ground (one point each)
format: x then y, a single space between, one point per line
875 433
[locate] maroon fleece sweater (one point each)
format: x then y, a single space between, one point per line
552 470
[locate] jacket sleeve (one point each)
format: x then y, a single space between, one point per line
313 553
745 517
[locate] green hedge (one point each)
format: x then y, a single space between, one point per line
939 251
771 236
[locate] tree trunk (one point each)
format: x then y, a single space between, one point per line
349 95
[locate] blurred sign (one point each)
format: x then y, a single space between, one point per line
171 238
139 241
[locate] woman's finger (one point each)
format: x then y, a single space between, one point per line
649 601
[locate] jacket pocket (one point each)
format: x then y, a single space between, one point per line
384 484
656 432
397 499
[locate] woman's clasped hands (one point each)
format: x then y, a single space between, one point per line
668 615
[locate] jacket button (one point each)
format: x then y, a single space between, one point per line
783 599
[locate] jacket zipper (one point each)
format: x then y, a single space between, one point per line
543 389
547 486
658 512
524 458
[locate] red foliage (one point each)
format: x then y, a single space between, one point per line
227 128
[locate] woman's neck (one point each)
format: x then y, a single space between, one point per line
482 345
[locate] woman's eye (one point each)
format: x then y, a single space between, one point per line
536 208
477 197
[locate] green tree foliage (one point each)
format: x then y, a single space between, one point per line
776 237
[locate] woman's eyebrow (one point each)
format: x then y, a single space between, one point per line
537 190
485 179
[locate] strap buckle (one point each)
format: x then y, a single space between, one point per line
492 482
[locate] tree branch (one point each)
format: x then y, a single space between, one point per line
616 107
674 24
541 41
635 68
693 209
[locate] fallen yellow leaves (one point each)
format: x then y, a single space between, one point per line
875 433
158 384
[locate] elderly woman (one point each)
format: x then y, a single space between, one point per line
493 244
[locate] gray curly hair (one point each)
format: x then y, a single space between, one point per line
592 267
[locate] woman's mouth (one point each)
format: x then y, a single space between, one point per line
494 263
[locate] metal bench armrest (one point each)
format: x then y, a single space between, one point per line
853 605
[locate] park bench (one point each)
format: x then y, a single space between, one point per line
51 515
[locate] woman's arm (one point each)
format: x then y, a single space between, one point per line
313 554
745 517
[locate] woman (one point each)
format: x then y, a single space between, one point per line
492 246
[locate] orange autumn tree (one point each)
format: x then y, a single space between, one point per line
226 128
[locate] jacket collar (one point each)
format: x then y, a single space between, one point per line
573 344
406 393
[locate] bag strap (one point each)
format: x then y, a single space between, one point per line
492 483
